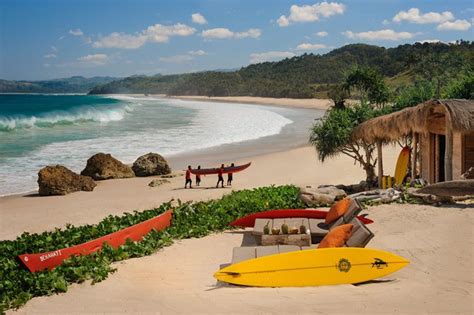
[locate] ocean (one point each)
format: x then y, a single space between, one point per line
38 130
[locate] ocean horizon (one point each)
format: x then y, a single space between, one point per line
37 130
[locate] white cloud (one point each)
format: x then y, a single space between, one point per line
121 40
154 34
198 18
414 16
191 55
50 56
429 41
322 34
385 22
76 32
458 25
177 58
97 59
308 46
54 49
270 56
283 21
225 33
197 52
311 13
252 33
386 34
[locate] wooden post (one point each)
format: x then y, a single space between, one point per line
380 162
414 155
448 156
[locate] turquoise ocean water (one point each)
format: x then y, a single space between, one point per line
40 130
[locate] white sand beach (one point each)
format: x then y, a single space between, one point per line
310 103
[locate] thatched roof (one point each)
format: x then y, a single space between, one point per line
417 119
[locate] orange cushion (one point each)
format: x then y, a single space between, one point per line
337 236
337 210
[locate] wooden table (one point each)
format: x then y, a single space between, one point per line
282 239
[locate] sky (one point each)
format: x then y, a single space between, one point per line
45 39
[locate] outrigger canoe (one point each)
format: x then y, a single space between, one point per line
249 221
49 260
229 169
313 267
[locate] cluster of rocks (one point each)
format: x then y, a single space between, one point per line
321 196
59 180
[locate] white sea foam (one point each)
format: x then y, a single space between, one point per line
80 114
211 125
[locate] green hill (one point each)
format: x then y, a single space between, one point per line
311 75
75 84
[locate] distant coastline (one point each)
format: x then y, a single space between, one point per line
312 103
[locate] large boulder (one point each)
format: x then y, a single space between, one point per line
151 164
59 180
321 196
104 166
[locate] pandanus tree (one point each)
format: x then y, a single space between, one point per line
332 135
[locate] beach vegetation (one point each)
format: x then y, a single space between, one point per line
198 219
332 136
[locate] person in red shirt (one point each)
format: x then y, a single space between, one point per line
220 176
188 178
198 177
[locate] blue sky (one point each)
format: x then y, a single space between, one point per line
44 39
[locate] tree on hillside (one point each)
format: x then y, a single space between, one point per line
369 85
461 88
332 136
338 94
415 94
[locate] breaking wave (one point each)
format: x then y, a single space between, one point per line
71 116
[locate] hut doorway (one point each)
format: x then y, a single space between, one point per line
441 155
468 152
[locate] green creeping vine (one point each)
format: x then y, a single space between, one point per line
18 285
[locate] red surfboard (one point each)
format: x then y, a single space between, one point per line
210 171
249 221
49 260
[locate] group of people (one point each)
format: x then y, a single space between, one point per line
220 177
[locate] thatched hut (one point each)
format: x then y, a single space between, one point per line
443 130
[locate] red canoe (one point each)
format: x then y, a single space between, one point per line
42 261
210 171
249 221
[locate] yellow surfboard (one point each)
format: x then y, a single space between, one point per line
402 166
313 267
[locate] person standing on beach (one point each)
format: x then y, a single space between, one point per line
220 176
188 178
198 177
230 177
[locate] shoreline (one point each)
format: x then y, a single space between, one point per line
313 103
307 103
